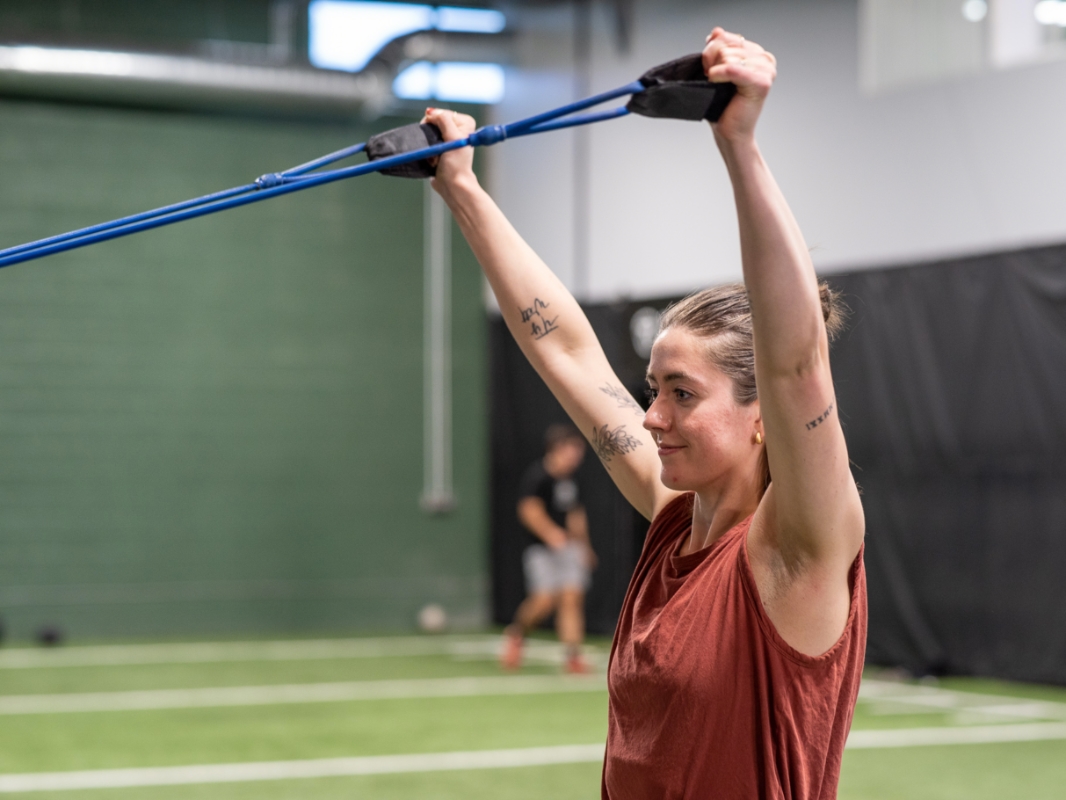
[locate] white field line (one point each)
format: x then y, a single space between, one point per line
887 697
287 770
296 693
463 760
976 734
208 652
479 647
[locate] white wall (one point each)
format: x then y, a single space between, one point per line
961 166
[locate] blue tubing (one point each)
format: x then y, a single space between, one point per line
303 177
118 223
327 159
158 220
580 105
570 122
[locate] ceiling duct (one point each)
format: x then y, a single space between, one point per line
438 46
184 82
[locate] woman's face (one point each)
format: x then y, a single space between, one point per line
704 435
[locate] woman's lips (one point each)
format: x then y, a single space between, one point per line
666 449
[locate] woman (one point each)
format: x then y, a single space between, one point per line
739 648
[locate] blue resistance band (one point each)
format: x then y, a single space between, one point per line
304 176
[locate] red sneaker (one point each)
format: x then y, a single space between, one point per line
577 665
511 656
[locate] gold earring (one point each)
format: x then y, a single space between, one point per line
758 438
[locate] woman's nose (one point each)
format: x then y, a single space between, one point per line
653 418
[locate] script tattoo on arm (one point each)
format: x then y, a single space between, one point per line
814 423
610 442
540 324
623 398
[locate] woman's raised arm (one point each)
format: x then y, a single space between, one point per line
811 513
550 327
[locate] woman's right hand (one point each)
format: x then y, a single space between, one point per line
731 57
456 168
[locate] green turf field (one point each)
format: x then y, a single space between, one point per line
426 717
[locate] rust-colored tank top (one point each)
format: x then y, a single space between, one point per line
706 699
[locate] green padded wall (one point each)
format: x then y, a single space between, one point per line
216 427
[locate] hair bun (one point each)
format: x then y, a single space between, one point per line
834 311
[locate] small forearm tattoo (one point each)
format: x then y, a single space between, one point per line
623 398
540 324
814 423
608 442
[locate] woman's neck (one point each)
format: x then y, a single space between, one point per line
715 512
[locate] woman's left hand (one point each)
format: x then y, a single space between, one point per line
731 57
457 166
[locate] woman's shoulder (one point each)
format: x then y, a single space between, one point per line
668 525
672 517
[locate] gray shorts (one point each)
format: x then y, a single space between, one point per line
550 570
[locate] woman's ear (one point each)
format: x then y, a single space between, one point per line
757 436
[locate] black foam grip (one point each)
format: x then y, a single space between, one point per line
404 140
679 89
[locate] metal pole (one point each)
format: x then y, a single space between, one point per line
438 494
582 147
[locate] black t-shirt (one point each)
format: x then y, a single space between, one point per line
559 496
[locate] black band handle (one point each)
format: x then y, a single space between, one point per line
404 140
679 89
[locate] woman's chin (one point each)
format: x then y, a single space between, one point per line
673 481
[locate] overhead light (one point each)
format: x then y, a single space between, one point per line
345 35
451 81
975 10
470 83
63 61
470 20
1051 12
417 82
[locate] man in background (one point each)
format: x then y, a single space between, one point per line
558 557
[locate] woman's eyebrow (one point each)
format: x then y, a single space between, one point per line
671 377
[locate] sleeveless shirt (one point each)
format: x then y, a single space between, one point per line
706 699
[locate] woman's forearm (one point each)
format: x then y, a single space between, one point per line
540 312
778 273
549 326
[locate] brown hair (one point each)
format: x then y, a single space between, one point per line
722 315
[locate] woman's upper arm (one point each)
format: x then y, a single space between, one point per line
814 502
612 421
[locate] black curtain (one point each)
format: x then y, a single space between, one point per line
522 408
951 384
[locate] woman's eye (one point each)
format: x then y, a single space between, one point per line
681 394
651 394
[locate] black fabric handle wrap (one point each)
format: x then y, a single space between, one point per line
679 89
404 140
